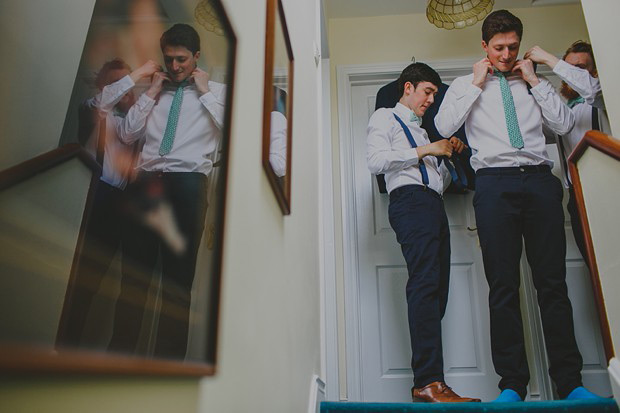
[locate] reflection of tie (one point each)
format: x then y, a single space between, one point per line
512 123
173 119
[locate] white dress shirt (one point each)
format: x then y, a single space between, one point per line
118 156
588 88
197 135
389 151
482 111
277 144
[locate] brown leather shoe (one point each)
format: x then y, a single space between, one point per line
438 392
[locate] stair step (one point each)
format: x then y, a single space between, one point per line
564 406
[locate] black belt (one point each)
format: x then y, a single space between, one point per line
514 170
413 188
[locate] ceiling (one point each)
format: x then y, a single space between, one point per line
369 8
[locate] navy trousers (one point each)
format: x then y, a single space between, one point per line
419 220
186 193
512 205
102 238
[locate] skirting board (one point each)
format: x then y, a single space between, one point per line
614 378
317 394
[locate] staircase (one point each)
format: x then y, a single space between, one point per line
556 406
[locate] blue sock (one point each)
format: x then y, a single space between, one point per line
580 393
508 395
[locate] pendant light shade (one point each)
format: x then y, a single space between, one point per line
206 16
457 14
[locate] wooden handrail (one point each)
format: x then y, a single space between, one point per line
43 162
610 147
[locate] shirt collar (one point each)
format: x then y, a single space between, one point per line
407 115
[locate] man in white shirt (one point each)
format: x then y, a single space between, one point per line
99 117
179 120
582 91
504 106
399 148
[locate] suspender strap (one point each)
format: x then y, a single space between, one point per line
595 125
421 164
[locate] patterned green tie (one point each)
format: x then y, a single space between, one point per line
512 123
571 103
173 119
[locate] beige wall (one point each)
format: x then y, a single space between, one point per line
269 323
395 39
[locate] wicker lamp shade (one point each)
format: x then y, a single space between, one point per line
207 17
457 14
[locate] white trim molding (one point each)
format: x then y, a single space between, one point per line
614 378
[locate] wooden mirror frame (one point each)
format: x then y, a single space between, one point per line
610 147
281 186
29 357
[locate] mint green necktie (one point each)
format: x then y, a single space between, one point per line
173 119
571 103
512 123
415 118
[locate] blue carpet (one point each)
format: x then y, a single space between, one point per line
575 406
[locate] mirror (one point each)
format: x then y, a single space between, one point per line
114 240
278 105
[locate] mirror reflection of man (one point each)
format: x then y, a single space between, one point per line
582 91
99 117
504 105
179 120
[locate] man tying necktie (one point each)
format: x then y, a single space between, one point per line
582 91
179 120
504 106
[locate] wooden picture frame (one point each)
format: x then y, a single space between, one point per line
278 105
593 140
25 354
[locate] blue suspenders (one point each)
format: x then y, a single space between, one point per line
455 173
421 165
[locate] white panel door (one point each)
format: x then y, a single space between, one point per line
383 347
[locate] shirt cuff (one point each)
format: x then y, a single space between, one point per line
542 89
145 102
208 98
412 155
126 82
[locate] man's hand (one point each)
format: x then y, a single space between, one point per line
146 70
457 145
481 69
157 84
201 79
538 55
525 69
442 147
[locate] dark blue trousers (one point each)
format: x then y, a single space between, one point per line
419 220
186 193
512 205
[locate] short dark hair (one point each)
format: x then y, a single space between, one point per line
416 73
101 79
580 47
181 35
501 21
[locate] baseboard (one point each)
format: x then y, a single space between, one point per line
614 378
317 394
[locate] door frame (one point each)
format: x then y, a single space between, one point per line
349 76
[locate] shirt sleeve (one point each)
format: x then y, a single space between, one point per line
456 106
380 154
581 82
133 126
277 145
112 93
214 100
556 115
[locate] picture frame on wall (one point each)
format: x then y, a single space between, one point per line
66 288
278 105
